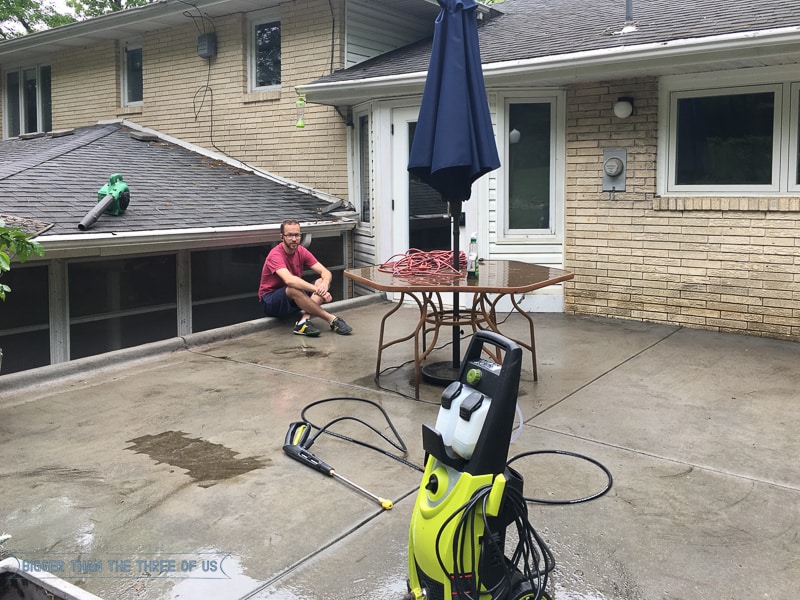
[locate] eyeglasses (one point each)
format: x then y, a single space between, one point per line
295 236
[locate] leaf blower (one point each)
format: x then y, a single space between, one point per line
469 496
113 198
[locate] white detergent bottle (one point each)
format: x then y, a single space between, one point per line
447 418
471 417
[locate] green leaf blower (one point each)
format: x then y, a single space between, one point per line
469 496
113 198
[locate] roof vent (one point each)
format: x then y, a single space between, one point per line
144 137
629 26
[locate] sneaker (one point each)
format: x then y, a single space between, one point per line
306 328
339 326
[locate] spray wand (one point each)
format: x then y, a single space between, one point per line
296 446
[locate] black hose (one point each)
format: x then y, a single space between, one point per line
576 455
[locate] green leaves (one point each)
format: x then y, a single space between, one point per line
15 244
20 17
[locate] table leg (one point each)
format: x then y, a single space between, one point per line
490 318
415 334
532 347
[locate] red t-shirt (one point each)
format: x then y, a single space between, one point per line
278 259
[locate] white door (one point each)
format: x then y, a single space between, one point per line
420 217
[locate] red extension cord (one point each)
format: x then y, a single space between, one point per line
415 262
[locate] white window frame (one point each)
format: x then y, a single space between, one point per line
39 111
133 44
261 17
356 168
554 234
783 82
793 124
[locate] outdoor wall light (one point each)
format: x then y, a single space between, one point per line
623 108
513 136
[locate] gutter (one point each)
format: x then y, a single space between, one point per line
573 66
165 240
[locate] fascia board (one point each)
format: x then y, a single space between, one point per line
579 66
145 242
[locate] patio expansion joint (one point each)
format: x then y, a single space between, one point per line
603 374
334 542
701 467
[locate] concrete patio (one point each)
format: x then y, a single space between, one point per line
157 473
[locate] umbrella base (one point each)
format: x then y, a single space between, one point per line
440 373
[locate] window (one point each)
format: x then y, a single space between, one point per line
529 169
265 52
132 71
121 303
28 104
725 140
363 169
741 138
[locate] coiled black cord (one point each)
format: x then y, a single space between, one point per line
530 564
399 444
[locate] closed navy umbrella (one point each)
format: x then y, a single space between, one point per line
454 142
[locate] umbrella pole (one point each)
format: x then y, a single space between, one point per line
455 211
444 372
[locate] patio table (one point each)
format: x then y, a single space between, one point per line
496 280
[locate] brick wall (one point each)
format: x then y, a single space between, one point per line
719 263
211 107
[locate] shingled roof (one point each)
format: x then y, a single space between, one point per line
53 180
530 29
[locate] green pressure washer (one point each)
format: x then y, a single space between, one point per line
469 497
113 199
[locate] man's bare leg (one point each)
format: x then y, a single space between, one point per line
310 305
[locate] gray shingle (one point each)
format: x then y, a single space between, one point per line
530 29
56 180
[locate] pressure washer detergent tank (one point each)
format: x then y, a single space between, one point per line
469 423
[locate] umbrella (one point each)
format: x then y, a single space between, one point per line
454 141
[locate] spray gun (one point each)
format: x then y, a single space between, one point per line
297 444
113 198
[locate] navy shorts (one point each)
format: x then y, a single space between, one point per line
277 304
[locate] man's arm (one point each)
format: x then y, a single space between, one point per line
324 282
293 281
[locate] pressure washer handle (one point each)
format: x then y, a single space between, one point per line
302 455
298 434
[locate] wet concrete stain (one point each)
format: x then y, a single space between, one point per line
205 462
306 351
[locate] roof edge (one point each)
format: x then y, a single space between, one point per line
601 62
88 245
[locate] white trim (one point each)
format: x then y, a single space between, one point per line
124 46
58 289
254 19
792 132
554 235
781 81
642 59
20 71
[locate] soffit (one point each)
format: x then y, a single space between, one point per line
161 14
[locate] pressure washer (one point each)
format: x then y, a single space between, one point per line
469 496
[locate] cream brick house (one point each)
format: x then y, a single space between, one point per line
697 102
207 89
698 228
